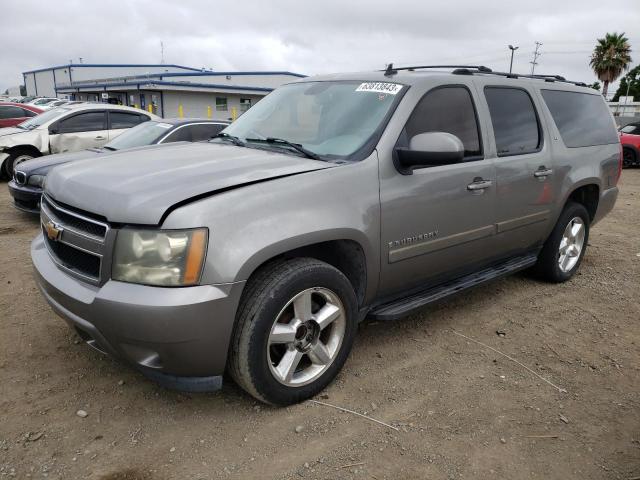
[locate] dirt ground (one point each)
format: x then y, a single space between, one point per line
461 409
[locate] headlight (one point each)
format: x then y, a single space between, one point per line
36 180
169 258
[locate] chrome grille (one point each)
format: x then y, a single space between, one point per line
76 221
75 242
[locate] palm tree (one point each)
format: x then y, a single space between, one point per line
610 58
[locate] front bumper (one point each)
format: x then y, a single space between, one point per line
177 336
25 197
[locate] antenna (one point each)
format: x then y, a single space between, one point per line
536 54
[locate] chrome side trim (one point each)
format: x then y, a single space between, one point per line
522 221
429 246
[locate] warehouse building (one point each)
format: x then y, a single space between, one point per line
166 90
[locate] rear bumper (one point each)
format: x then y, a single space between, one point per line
25 197
176 336
606 204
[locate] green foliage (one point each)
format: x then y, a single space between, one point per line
611 56
631 80
595 86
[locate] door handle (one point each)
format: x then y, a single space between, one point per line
479 184
542 172
100 137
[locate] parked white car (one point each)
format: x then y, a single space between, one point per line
42 101
69 128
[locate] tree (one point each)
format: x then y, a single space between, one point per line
23 90
595 86
610 57
631 80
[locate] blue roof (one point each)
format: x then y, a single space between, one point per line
162 82
192 71
75 65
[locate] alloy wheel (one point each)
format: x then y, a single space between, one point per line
571 244
306 337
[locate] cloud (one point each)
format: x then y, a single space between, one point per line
309 37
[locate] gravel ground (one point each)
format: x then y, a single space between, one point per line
461 410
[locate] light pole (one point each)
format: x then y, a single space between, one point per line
513 49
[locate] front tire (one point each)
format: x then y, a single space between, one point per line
295 327
628 157
15 158
563 251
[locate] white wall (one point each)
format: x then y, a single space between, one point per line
194 104
264 81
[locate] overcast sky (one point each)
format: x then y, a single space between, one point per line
310 36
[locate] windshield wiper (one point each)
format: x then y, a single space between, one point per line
287 143
107 147
235 140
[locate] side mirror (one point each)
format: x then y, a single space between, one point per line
429 150
53 129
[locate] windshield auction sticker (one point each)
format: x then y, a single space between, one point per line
379 87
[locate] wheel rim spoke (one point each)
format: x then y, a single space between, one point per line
575 230
319 354
302 306
287 366
283 333
327 315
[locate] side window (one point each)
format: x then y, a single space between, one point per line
583 119
245 104
205 131
121 120
84 122
514 120
181 134
9 111
221 104
451 110
28 113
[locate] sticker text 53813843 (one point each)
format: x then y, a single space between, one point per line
379 87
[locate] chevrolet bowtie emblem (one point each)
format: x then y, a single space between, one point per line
53 231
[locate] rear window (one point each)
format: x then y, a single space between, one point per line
582 119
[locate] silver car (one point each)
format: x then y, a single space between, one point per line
69 128
332 199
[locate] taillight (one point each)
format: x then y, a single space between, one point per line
620 157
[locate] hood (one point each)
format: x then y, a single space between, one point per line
42 165
139 186
11 131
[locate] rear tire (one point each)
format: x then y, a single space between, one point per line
563 251
280 354
628 157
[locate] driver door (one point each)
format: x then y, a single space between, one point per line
79 131
437 222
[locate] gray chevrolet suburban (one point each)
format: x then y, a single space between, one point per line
333 199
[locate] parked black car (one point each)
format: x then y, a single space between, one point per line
26 186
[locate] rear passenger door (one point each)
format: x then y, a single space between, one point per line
79 131
122 121
438 222
524 168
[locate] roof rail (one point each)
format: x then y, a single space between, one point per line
473 69
391 70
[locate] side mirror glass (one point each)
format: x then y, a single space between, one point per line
429 150
53 129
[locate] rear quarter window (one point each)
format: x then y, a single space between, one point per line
583 119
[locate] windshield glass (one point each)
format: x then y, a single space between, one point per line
35 122
144 134
332 119
631 128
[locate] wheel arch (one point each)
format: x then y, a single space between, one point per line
587 194
342 252
10 151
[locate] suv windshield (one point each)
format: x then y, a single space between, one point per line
333 119
144 134
43 118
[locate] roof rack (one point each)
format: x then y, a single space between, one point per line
473 69
391 70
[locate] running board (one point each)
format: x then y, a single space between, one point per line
408 305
